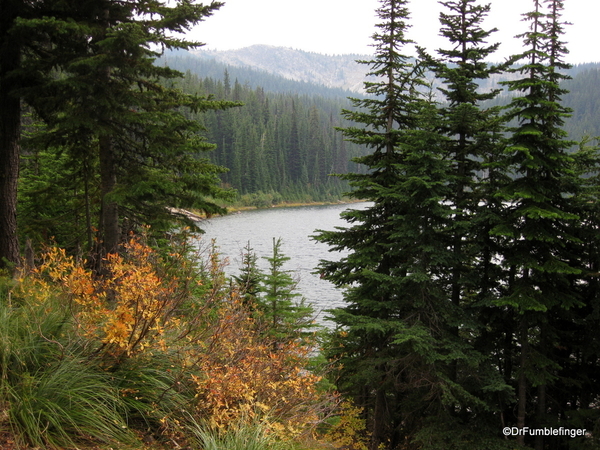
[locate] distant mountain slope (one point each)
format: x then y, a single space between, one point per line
284 70
210 67
334 71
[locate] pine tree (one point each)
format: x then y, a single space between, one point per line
471 128
249 278
112 106
541 253
12 47
474 145
285 318
396 331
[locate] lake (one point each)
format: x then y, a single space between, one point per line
294 225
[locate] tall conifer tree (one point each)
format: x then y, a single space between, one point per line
473 144
398 343
472 129
541 222
111 106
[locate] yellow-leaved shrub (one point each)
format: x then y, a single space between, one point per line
145 307
245 375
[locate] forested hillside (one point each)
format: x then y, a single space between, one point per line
282 145
256 142
583 99
334 71
277 144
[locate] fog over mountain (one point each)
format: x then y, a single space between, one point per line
334 71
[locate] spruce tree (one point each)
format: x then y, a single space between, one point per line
249 279
13 45
282 310
474 145
541 251
397 342
112 106
471 128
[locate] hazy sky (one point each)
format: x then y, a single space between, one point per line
346 26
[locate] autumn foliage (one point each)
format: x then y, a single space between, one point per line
210 359
125 312
243 375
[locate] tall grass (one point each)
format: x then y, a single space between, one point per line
243 435
155 392
51 395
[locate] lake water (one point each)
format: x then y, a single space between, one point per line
294 226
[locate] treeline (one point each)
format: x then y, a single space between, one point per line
282 145
211 68
285 144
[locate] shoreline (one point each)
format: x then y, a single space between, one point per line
236 209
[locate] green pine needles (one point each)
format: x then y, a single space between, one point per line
473 261
279 309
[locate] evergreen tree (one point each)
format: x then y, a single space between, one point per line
471 128
13 45
249 279
474 145
284 318
111 107
541 225
399 343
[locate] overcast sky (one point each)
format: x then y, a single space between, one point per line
346 26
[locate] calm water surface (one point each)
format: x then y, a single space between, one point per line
294 226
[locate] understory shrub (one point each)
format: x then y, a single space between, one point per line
153 347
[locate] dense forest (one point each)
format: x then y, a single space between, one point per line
312 148
280 143
275 146
470 278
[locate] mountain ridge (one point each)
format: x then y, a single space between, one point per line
340 71
334 71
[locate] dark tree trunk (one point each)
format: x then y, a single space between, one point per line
10 131
379 419
109 220
522 381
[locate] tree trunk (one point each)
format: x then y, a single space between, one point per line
109 220
379 417
10 131
522 382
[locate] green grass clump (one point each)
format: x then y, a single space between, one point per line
51 396
243 435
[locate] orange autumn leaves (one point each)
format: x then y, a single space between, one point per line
244 376
139 309
125 311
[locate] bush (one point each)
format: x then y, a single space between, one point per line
150 348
